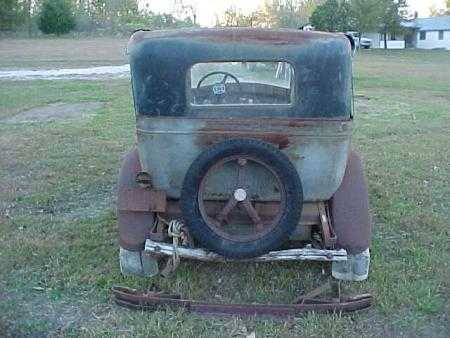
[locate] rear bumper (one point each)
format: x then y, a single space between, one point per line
344 266
302 254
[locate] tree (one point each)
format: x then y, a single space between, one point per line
434 11
17 14
164 21
110 13
185 12
235 18
11 15
27 15
393 12
333 16
286 13
56 17
366 15
272 14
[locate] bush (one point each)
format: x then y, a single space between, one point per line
56 17
11 15
83 22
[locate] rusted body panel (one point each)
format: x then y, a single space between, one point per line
133 205
317 148
232 35
350 209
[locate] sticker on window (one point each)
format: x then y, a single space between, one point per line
241 83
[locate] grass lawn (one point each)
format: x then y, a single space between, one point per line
58 232
49 53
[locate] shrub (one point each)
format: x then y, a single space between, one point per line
56 17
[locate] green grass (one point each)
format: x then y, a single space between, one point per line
58 232
62 52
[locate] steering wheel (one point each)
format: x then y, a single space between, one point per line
219 88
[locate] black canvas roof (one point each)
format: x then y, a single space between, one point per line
160 61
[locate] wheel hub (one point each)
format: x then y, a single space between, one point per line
240 194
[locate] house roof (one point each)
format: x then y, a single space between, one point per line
429 24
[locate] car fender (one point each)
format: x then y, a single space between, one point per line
350 209
136 205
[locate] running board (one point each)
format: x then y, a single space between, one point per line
310 254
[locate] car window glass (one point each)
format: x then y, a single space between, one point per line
241 83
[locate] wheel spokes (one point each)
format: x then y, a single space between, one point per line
222 215
242 162
241 215
253 214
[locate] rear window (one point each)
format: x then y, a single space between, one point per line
241 83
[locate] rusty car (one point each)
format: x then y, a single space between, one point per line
243 152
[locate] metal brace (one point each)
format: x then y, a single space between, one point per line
329 236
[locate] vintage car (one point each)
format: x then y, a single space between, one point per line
243 151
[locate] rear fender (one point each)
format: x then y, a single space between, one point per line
135 205
350 209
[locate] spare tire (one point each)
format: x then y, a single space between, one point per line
259 206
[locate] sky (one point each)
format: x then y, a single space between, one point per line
208 10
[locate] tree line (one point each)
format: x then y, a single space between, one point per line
109 16
363 16
383 16
271 14
123 16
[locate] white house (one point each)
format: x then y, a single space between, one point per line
429 33
425 33
393 41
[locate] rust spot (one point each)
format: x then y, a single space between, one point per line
252 35
297 123
141 199
210 138
281 140
274 131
